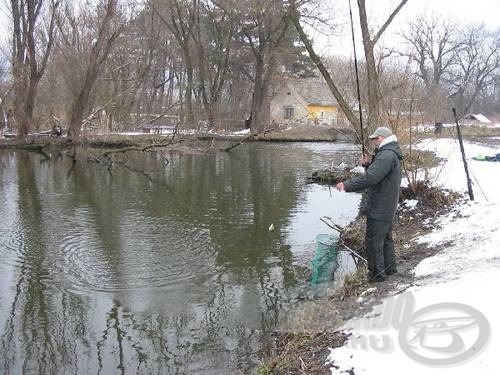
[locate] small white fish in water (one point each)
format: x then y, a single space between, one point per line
271 227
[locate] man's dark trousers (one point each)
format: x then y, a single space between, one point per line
380 248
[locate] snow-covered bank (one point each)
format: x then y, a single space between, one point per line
451 173
464 272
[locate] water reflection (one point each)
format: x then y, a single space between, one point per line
114 272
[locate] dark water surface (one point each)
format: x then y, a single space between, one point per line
170 272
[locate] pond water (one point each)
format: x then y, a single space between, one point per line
157 268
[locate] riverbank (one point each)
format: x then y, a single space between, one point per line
222 140
313 133
431 240
312 328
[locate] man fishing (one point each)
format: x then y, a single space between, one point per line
382 179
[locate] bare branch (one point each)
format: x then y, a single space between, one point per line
389 20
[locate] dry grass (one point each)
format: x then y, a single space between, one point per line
429 196
467 131
353 235
472 131
354 284
419 159
310 316
301 353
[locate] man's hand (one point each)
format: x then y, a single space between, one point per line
365 160
340 186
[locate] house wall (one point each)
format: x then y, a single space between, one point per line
303 114
330 114
284 98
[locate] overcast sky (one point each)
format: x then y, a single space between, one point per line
477 11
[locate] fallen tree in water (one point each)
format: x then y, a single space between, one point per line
107 151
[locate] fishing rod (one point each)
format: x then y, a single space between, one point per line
460 141
357 81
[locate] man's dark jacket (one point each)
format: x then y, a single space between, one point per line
382 179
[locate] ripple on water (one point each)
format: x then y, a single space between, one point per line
11 245
144 252
18 252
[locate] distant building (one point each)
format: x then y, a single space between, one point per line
472 119
305 102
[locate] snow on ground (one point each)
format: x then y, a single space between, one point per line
410 204
429 128
423 128
242 132
130 133
451 321
167 131
451 174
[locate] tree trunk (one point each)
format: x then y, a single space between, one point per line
29 105
371 70
77 112
369 42
110 122
27 71
98 55
189 91
258 113
374 97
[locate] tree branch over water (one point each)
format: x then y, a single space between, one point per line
150 147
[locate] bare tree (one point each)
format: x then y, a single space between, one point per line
145 70
31 47
369 42
263 27
178 17
477 63
491 100
213 38
434 46
105 38
5 88
456 63
130 72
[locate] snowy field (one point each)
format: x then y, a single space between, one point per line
448 321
